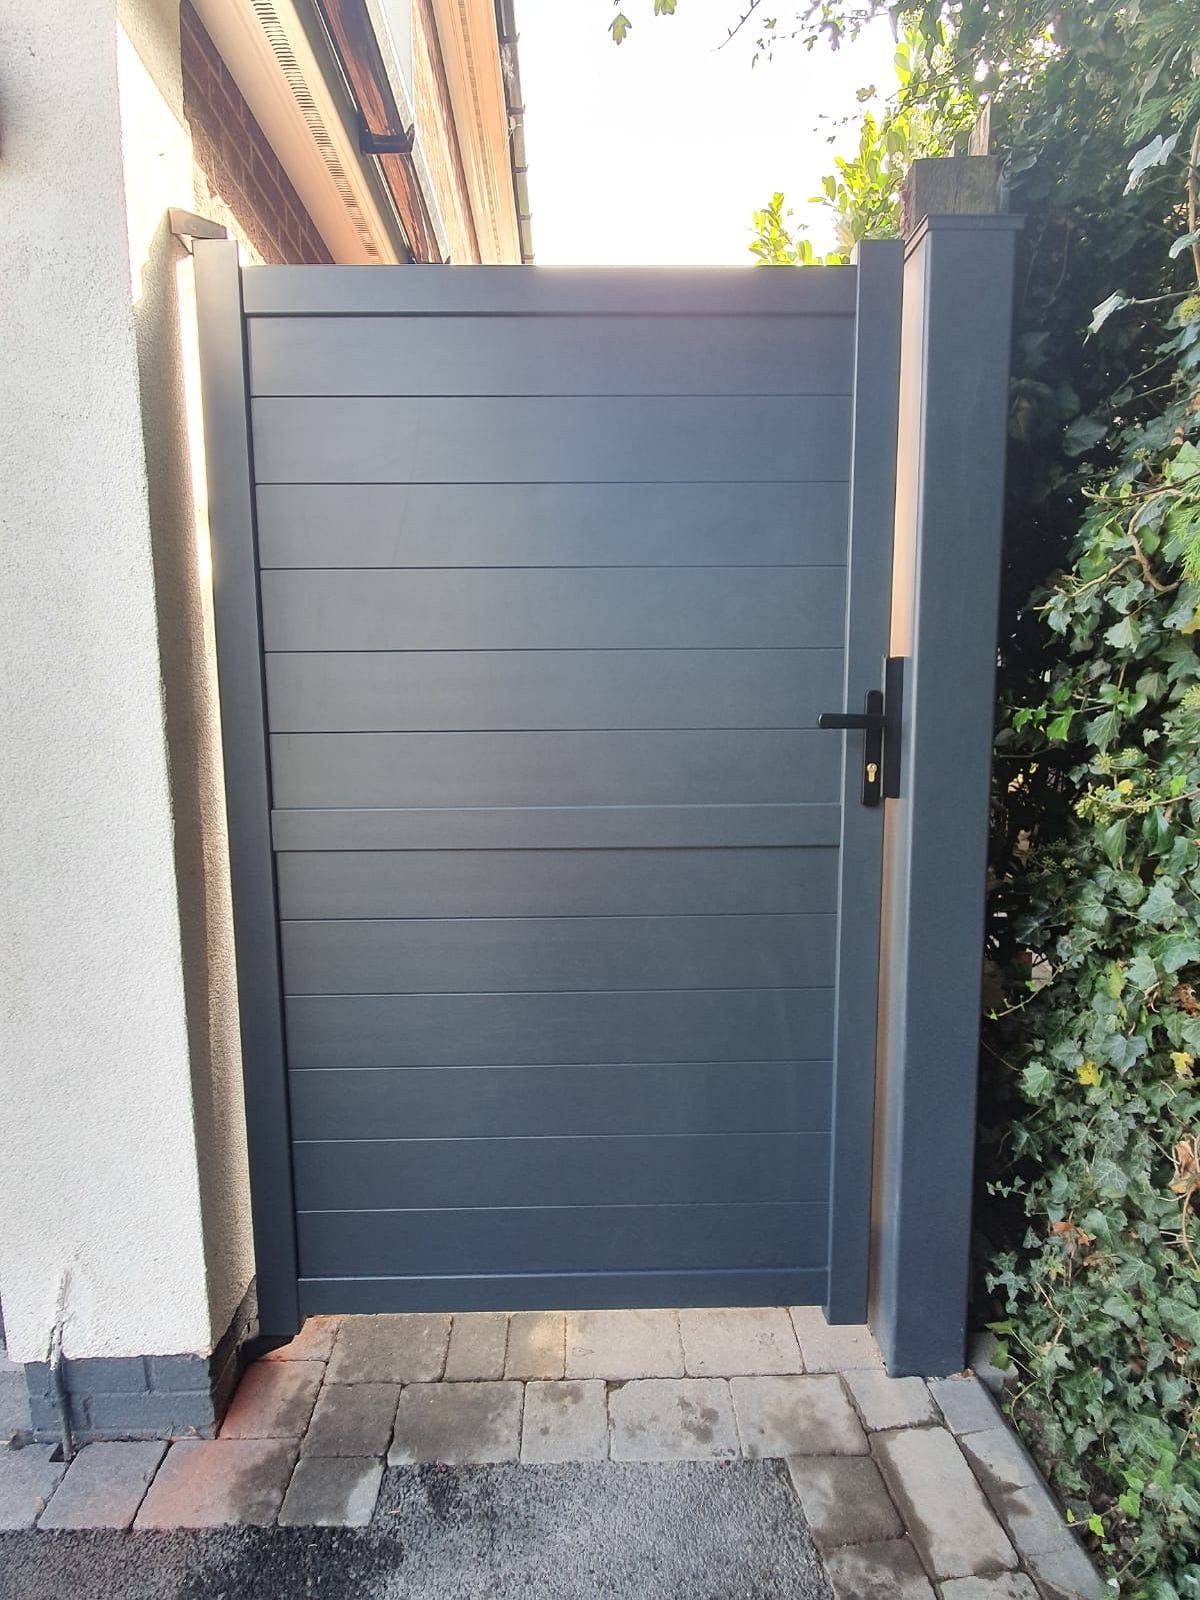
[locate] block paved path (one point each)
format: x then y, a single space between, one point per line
450 1425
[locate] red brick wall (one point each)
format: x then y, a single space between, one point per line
231 151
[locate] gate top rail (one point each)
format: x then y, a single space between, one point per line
628 291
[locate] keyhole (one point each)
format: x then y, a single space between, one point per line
872 771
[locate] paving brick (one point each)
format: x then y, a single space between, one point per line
980 1351
966 1404
884 1402
28 1478
274 1400
619 1345
796 1417
314 1342
536 1344
478 1340
104 1485
836 1349
565 1421
352 1419
331 1492
1032 1517
457 1423
408 1348
844 1500
999 1459
890 1571
1005 1586
942 1505
1067 1574
208 1483
680 1419
727 1343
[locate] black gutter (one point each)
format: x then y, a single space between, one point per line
510 71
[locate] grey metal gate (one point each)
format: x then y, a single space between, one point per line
557 916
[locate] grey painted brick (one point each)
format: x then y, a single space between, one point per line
92 1375
180 1374
151 1413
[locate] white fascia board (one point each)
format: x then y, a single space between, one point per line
267 51
471 52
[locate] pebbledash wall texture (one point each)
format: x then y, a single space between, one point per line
234 157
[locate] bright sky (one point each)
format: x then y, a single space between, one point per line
657 151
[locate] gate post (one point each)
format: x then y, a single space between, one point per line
957 316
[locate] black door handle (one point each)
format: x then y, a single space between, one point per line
879 722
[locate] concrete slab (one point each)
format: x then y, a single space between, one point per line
353 1420
838 1349
274 1400
999 1459
565 1421
844 1499
104 1485
889 1571
536 1344
725 1343
406 1348
942 1505
1005 1586
672 1419
28 1478
314 1342
1067 1574
331 1492
1032 1519
208 1483
966 1404
478 1340
884 1402
619 1345
808 1416
458 1423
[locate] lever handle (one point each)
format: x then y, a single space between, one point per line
871 721
851 719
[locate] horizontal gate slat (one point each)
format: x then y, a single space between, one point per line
595 768
711 355
551 524
568 1291
518 1029
610 440
589 1098
555 828
392 291
582 883
508 954
563 1239
640 1170
583 608
481 690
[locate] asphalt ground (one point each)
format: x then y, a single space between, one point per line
721 1531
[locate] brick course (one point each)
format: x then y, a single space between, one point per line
233 154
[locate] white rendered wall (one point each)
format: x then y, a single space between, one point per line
122 1166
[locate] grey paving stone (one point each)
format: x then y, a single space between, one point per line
536 1344
1033 1519
619 1345
331 1492
884 1402
980 1350
478 1340
274 1400
999 1459
808 1416
405 1348
314 1342
207 1483
458 1423
837 1349
565 1421
890 1571
1067 1574
1005 1586
28 1478
727 1343
844 1500
942 1505
104 1485
966 1404
352 1419
672 1419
